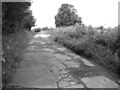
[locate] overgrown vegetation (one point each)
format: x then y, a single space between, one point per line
102 46
17 22
94 43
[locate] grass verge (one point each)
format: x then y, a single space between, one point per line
13 46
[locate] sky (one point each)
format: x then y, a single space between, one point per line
92 12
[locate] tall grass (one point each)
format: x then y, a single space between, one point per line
13 47
94 45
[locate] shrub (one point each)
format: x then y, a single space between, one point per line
13 46
101 48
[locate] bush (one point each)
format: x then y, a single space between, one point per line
101 48
13 46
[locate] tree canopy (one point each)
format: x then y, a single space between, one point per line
66 16
14 14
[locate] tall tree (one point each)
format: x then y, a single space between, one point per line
13 14
66 16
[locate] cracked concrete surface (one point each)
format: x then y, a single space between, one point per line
99 82
47 68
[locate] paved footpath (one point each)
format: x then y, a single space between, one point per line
47 64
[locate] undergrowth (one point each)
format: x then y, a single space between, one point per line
100 47
13 46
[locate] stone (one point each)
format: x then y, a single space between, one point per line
74 55
69 79
71 54
57 64
76 86
54 69
87 62
99 82
62 57
62 49
71 63
73 83
63 73
63 84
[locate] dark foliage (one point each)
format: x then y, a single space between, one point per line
14 14
17 19
67 16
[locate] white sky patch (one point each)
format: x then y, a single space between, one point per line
93 12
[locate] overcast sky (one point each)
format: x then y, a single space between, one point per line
93 12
